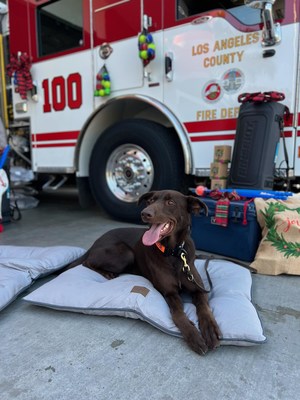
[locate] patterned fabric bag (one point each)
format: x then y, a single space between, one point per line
279 249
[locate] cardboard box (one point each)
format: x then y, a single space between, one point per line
218 184
222 154
218 170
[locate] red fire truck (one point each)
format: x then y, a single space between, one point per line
133 95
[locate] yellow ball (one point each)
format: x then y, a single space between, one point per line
143 54
142 39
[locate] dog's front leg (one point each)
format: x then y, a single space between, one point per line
189 332
207 323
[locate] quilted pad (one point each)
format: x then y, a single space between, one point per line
20 266
83 290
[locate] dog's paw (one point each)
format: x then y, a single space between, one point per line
197 344
195 340
211 332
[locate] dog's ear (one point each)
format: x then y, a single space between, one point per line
195 205
145 197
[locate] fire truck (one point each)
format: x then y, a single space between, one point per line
132 95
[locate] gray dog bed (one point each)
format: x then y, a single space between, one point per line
85 291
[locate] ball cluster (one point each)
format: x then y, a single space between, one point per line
146 47
103 85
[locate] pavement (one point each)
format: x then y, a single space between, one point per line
55 355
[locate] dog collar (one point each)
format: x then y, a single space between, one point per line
176 252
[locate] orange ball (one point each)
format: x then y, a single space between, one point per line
200 190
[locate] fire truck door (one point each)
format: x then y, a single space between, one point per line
116 25
214 52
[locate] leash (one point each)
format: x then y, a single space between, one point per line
187 270
181 253
243 264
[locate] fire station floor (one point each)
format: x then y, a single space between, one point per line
47 354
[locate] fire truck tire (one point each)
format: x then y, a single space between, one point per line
129 159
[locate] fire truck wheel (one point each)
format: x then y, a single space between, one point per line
129 159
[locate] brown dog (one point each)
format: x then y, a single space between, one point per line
165 255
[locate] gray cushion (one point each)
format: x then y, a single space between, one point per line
83 290
21 265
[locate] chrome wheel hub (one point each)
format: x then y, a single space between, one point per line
129 172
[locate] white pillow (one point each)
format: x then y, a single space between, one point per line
83 290
12 282
21 265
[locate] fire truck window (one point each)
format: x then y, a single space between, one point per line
245 14
182 9
60 26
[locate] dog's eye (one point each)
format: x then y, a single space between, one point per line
170 202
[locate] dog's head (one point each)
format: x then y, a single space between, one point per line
168 214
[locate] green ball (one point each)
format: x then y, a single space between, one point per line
106 84
151 46
96 93
144 54
107 91
142 39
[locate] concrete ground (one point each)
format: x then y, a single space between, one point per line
47 354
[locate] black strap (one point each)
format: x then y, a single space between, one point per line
15 212
286 155
207 273
220 258
176 252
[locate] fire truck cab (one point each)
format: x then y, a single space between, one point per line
156 124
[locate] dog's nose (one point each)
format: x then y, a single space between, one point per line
147 214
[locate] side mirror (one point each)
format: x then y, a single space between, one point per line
271 30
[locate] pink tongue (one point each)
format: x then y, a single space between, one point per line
152 235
